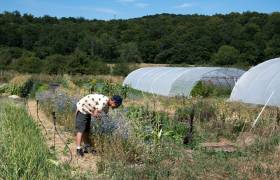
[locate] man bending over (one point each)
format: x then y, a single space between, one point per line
89 106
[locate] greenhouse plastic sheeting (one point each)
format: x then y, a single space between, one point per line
176 81
258 84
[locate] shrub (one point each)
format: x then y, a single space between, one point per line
203 89
107 88
122 69
38 87
20 85
4 88
67 82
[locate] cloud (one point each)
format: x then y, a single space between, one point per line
106 10
142 5
184 5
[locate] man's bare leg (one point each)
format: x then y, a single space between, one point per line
79 139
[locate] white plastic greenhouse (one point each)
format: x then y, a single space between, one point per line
259 85
177 81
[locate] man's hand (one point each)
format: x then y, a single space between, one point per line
96 113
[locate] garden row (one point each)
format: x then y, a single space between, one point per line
24 155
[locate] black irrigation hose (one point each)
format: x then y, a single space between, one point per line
45 129
38 118
61 138
37 113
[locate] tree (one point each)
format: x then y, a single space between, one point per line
108 46
247 38
77 63
121 69
97 66
28 63
91 45
64 40
129 53
148 50
8 56
273 47
165 56
226 55
55 64
29 36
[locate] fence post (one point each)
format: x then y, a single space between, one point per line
54 128
188 138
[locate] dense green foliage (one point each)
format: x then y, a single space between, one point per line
203 89
76 45
23 152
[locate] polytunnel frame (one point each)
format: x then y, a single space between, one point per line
233 75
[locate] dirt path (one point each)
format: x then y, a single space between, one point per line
87 163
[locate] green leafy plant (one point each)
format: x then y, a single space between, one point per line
203 89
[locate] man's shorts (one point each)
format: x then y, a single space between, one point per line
83 122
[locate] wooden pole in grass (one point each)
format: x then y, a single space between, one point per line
278 116
188 138
37 108
54 128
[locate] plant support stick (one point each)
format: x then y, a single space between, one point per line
262 109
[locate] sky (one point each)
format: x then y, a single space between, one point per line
126 9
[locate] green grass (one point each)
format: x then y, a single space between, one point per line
24 154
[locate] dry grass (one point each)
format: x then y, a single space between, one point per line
141 65
58 78
109 78
20 80
6 76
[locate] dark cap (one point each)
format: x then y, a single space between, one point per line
117 99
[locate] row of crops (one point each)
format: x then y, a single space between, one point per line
24 155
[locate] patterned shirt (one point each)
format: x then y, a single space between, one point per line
91 102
